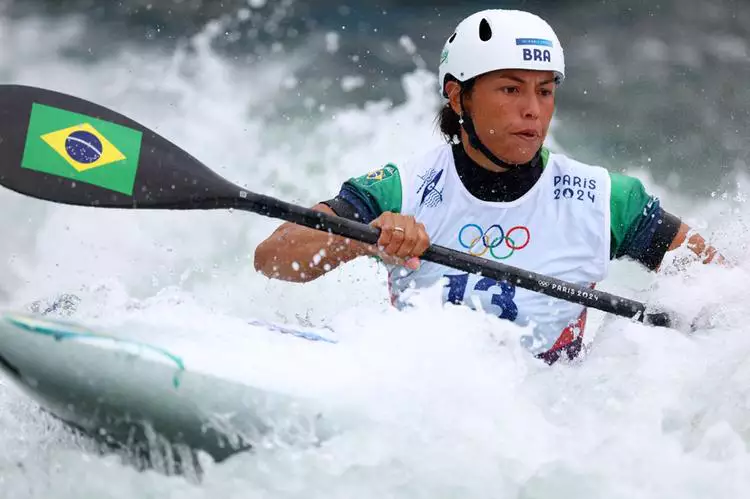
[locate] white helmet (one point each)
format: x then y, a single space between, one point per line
500 39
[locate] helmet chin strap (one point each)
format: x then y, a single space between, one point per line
468 125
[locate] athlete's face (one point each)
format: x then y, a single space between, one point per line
512 110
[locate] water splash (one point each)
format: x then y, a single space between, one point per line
435 402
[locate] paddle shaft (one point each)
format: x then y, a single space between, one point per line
600 300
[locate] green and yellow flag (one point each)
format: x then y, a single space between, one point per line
82 148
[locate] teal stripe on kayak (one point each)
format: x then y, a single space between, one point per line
68 335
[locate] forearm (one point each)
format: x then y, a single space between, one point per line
300 254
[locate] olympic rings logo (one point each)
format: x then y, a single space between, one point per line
479 242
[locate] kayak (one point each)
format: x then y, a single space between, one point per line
143 399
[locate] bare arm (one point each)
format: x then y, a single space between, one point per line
300 254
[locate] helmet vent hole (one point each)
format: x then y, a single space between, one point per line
485 32
453 37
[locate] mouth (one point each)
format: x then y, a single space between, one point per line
528 134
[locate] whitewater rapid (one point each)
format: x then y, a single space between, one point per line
442 402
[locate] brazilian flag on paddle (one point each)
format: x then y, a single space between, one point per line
82 148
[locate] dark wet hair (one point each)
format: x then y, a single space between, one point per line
448 120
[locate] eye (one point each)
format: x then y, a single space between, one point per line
510 90
546 92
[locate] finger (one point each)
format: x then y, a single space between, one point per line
398 233
423 240
385 223
411 234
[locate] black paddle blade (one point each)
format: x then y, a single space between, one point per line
64 149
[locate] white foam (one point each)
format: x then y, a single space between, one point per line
442 401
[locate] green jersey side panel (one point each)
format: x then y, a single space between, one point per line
629 204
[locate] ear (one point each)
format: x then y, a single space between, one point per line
453 89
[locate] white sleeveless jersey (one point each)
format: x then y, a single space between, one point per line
559 228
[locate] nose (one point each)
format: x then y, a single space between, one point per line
530 106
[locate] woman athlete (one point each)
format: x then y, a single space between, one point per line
494 191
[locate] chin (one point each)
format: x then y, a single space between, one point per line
520 157
514 153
